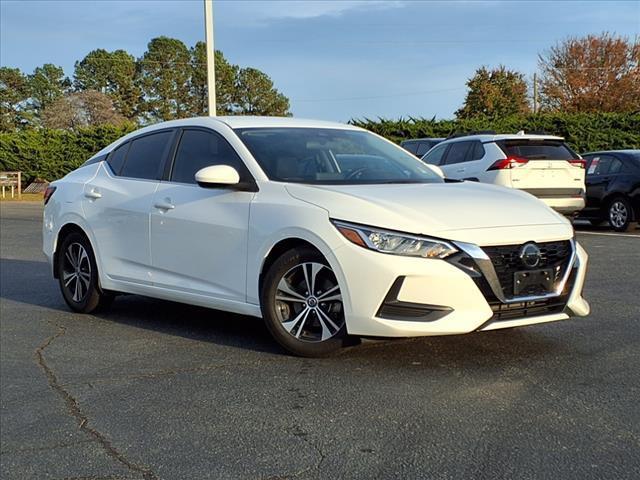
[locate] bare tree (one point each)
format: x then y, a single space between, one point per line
596 73
81 109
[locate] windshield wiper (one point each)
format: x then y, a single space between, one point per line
387 182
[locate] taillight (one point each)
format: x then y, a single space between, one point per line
509 162
578 162
47 194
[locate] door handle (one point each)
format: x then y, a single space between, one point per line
93 193
460 170
164 205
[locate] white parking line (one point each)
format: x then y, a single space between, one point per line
624 235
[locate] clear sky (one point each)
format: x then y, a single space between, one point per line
335 60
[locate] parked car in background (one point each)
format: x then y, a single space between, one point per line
613 188
324 230
541 165
420 146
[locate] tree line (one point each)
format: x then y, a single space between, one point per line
168 81
590 74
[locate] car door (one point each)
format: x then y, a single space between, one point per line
600 173
474 165
199 235
117 201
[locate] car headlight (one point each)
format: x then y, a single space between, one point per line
394 243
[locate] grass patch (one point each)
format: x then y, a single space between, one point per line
26 197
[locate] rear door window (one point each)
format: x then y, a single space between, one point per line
146 156
616 166
435 156
457 153
537 149
476 152
603 165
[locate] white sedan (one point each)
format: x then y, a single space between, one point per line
325 230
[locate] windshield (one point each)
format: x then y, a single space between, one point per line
332 156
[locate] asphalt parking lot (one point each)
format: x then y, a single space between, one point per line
157 390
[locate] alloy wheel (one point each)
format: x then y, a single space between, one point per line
76 271
618 214
309 302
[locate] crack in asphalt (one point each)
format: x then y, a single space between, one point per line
302 435
80 417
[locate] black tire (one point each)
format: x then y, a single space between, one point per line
620 214
304 337
88 297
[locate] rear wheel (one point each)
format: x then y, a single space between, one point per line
620 214
78 275
302 304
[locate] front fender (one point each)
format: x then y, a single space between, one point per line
272 223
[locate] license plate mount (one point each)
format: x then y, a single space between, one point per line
525 280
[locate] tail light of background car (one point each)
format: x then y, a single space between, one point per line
47 194
509 162
578 162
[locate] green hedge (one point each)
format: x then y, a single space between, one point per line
584 132
51 154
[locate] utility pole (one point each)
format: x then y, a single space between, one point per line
535 93
211 53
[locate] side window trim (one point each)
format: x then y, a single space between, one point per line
94 160
163 160
168 171
173 151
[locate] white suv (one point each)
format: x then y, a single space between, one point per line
541 165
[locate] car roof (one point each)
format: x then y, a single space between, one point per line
234 121
504 136
425 139
242 121
628 151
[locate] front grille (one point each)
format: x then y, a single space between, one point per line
506 262
510 311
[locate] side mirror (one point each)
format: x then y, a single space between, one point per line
217 176
436 169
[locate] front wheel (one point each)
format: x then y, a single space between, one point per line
620 214
302 304
78 275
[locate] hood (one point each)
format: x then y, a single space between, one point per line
445 210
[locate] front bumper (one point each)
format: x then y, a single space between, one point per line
451 300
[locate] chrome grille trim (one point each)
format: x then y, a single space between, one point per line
489 273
